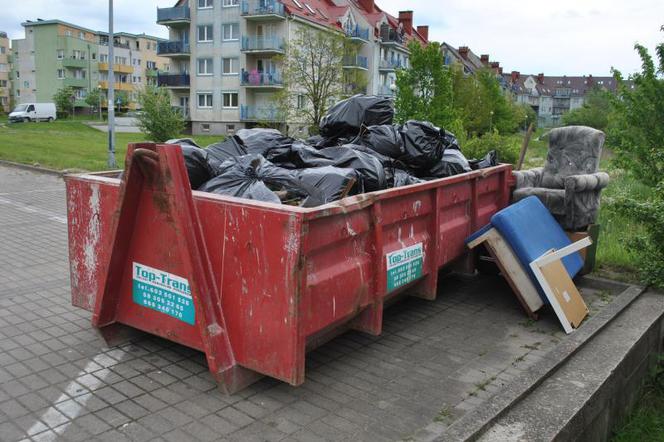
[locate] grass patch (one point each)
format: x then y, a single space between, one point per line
67 144
646 422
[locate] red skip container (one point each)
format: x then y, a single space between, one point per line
252 284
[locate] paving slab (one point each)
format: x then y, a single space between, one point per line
434 362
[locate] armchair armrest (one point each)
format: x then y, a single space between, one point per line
587 182
528 178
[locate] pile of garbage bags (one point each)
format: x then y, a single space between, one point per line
359 150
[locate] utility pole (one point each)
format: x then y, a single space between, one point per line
111 91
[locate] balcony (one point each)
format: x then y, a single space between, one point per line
261 113
75 82
70 62
263 45
173 48
261 80
262 10
390 65
358 34
117 86
356 62
175 81
119 68
392 38
151 73
177 16
116 44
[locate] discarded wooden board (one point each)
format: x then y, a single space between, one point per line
511 268
559 288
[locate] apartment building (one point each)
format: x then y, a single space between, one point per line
225 64
552 96
4 72
55 54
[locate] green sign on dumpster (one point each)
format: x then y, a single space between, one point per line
404 266
162 291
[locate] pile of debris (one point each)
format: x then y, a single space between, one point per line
359 150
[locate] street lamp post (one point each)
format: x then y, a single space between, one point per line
491 121
111 91
101 117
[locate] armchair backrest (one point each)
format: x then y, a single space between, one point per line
573 150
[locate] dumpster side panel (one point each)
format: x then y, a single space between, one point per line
258 258
91 205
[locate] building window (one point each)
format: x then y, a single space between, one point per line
67 33
81 35
94 55
205 66
205 127
103 58
61 54
2 50
231 31
120 60
137 61
151 65
205 4
26 85
229 66
205 34
229 100
229 3
205 101
230 129
18 75
301 100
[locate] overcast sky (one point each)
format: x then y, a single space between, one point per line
570 37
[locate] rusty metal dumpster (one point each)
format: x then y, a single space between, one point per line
253 284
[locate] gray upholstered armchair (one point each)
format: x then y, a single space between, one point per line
569 184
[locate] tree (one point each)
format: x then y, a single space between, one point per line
159 120
424 89
64 100
93 98
312 69
636 131
593 113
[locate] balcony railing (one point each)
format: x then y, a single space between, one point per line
260 113
71 62
358 32
391 64
262 8
173 80
259 79
389 35
172 47
75 82
262 44
176 14
116 44
356 61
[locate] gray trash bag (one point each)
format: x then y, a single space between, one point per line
183 141
384 139
218 153
453 163
490 160
262 140
330 184
344 119
249 177
196 161
423 144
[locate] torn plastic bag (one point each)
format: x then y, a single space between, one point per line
384 139
490 160
196 162
423 145
453 163
330 184
182 141
218 153
402 178
249 177
345 118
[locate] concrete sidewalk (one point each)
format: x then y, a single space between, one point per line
434 362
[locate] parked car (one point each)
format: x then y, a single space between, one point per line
33 112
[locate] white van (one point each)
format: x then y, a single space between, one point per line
33 112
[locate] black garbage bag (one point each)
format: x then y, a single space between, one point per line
367 166
384 139
196 162
490 160
183 141
252 177
453 163
402 178
423 145
218 153
344 119
261 141
327 184
450 140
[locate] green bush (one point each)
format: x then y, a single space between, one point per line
508 148
158 119
650 243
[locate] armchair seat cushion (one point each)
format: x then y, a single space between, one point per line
553 199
